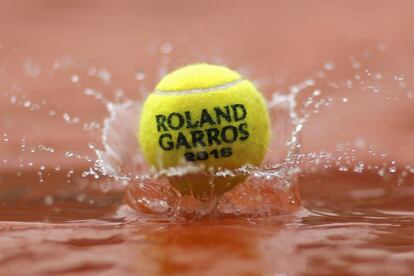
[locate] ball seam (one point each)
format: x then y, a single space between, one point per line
199 90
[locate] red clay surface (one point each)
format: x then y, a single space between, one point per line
277 43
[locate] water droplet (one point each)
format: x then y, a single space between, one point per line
356 65
343 168
13 99
310 82
23 144
359 167
140 75
360 143
45 148
70 120
48 200
368 73
91 71
166 48
26 103
329 66
104 75
392 169
340 147
80 197
31 69
399 77
373 88
378 76
91 125
333 84
381 172
74 78
316 93
92 92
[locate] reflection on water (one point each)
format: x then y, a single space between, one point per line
305 242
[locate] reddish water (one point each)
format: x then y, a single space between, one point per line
348 227
341 223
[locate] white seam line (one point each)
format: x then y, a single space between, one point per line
199 90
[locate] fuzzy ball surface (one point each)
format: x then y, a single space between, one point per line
206 117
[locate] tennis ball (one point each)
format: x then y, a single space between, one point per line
202 119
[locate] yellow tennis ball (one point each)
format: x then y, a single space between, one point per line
201 119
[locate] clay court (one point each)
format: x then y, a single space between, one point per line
60 62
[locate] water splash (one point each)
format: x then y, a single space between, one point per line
269 189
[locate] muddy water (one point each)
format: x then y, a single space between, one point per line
348 214
359 225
